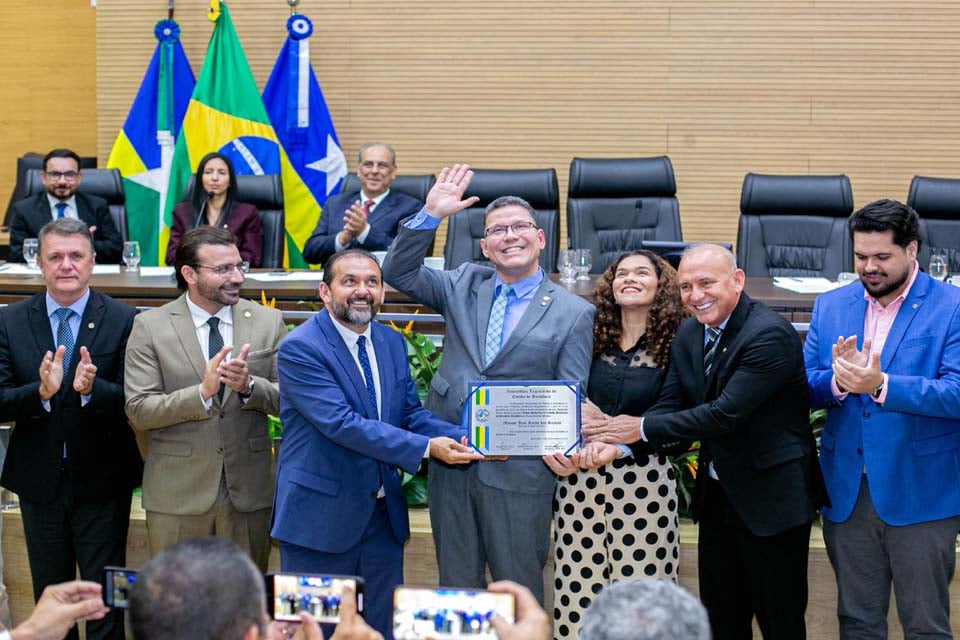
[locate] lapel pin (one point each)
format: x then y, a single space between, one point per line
246 314
915 305
545 300
91 325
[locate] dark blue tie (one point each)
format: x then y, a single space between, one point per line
367 373
710 351
61 209
65 335
214 344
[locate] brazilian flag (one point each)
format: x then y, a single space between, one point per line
226 114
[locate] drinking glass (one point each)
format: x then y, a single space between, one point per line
584 261
567 265
939 265
30 248
131 254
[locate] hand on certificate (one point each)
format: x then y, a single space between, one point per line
452 452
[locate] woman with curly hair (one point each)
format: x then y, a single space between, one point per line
619 522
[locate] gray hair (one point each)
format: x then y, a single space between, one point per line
645 610
363 148
716 249
66 227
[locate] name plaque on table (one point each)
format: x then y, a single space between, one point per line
524 417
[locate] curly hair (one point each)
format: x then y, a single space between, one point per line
666 311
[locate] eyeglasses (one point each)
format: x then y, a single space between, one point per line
225 269
69 176
518 228
369 165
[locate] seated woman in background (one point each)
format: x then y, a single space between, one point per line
619 522
215 176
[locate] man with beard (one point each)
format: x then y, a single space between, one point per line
201 377
883 356
351 417
61 179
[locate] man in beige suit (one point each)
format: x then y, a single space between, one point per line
201 377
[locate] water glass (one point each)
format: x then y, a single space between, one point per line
30 248
584 262
131 254
846 277
939 265
566 262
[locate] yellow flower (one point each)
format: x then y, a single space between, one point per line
407 329
692 468
263 300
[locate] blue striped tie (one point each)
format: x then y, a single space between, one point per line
61 209
495 324
65 335
367 373
710 351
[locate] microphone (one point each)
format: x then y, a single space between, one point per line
203 207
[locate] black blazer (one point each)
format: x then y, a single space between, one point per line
30 214
751 417
384 221
102 455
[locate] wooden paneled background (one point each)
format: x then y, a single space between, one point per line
870 88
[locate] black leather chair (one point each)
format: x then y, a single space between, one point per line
536 186
794 225
414 186
937 202
614 204
266 194
33 161
103 183
672 251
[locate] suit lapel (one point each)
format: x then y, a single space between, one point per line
346 361
87 333
40 325
851 322
386 372
384 208
727 338
907 312
186 333
484 296
541 301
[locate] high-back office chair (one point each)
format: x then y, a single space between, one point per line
673 251
794 225
102 183
34 161
614 204
937 202
266 194
536 186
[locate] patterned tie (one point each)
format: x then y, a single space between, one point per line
367 372
65 335
367 206
495 324
61 209
710 350
214 344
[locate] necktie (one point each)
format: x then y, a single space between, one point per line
495 324
61 209
214 344
366 208
367 372
65 335
710 350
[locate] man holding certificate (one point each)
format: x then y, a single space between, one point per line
506 323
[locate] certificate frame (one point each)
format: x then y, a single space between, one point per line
484 429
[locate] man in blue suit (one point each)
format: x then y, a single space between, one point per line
366 219
883 356
351 417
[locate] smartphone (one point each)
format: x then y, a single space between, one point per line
424 613
319 595
116 586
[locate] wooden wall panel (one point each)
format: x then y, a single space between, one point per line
867 88
47 74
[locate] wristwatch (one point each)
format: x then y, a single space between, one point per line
249 392
877 390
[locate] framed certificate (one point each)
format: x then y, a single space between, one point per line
523 417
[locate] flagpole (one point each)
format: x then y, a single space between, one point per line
170 10
293 5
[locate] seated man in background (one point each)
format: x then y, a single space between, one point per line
61 178
180 594
645 610
368 218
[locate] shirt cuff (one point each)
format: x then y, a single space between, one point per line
423 220
835 388
337 247
883 394
206 403
643 436
426 452
625 451
363 234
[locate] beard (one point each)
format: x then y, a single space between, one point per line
348 315
887 286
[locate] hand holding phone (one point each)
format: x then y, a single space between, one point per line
116 586
422 613
319 595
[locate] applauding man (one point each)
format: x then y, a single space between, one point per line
201 379
72 459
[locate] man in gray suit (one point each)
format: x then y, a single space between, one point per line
492 512
201 377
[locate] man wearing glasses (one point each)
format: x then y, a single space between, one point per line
509 322
200 379
61 178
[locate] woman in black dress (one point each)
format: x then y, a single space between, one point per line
619 522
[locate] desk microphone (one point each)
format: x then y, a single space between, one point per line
203 207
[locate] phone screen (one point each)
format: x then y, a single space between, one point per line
420 613
116 586
318 595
